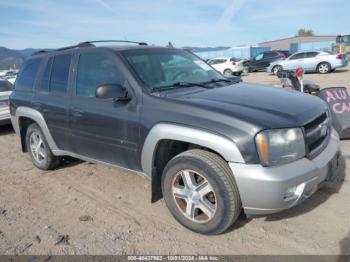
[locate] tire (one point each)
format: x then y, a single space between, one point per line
324 68
39 149
276 69
228 72
219 193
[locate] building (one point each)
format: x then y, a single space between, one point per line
301 43
239 52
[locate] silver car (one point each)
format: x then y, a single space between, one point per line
5 91
313 61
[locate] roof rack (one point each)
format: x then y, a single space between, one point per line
88 44
113 41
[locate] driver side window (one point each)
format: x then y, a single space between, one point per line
95 69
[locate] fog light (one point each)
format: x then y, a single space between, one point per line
291 192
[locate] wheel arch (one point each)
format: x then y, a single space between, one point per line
25 116
324 62
167 140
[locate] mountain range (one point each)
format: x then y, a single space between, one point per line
13 59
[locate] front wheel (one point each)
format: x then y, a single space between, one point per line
324 68
200 192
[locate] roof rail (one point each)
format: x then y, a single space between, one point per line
113 41
88 44
39 52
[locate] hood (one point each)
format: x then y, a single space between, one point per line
259 105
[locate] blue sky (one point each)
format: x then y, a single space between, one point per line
49 23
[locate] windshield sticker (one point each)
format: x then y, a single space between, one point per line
203 65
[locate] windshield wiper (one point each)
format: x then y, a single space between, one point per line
217 80
178 85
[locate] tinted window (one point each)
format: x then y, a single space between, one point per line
311 54
95 69
28 74
270 55
5 86
217 61
297 56
45 81
59 74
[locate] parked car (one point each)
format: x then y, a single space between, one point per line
5 91
322 62
210 147
263 60
227 66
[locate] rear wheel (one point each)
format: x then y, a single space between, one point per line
39 150
200 192
324 68
228 72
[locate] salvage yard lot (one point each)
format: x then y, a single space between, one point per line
106 211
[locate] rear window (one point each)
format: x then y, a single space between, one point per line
28 74
5 86
59 74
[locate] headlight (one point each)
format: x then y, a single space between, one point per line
280 146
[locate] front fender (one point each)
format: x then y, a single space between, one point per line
220 144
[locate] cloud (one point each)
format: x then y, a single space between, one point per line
231 11
105 5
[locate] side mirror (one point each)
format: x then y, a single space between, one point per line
115 91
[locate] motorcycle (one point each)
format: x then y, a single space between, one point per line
337 98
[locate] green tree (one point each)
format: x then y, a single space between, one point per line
305 32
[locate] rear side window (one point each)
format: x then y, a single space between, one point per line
297 56
95 69
44 85
59 74
28 74
311 54
270 55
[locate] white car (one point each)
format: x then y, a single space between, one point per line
227 66
5 91
312 61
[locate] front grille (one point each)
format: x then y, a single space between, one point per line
317 135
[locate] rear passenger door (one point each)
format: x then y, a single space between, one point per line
310 61
51 98
103 129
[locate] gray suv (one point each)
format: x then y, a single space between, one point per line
212 148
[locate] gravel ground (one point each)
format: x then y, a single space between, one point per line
84 208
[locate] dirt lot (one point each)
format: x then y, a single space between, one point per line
37 207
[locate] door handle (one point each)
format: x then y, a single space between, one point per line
77 112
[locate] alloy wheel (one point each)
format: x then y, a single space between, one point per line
194 196
323 68
37 147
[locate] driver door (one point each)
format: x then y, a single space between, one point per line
103 129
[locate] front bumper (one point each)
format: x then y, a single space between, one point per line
263 190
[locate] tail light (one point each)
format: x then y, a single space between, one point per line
233 62
339 57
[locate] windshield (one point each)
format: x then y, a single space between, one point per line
164 68
5 86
